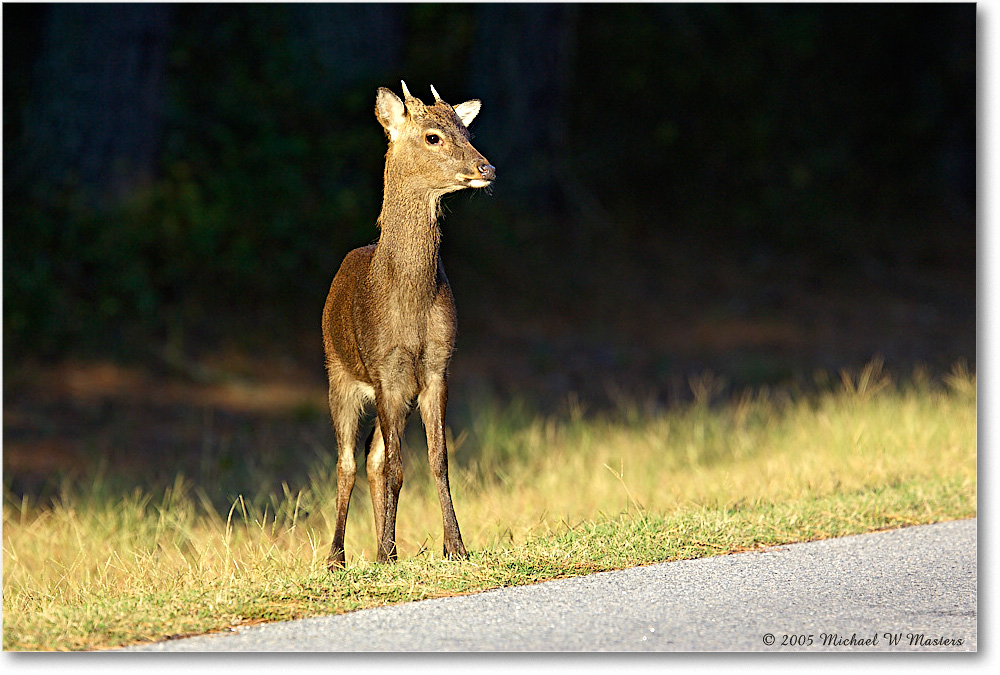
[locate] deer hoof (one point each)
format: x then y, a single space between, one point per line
336 561
457 553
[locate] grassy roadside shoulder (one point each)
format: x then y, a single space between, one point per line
542 499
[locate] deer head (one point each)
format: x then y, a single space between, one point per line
430 144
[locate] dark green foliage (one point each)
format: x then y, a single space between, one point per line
263 185
840 137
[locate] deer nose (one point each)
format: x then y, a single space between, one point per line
487 171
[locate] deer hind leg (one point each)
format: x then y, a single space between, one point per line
433 401
344 410
375 462
391 420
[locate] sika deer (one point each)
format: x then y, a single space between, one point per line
389 319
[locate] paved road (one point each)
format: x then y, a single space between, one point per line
846 594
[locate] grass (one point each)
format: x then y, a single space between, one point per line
538 497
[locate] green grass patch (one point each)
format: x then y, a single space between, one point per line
538 497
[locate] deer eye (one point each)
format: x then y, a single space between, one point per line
432 139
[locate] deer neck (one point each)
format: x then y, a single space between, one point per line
404 265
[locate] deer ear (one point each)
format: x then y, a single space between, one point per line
467 111
390 112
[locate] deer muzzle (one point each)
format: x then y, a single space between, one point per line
485 174
487 171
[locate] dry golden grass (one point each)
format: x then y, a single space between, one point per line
537 497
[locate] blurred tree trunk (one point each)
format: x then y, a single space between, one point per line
350 43
957 159
522 69
96 110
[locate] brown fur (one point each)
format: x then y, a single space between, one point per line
389 320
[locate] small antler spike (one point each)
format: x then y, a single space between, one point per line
437 96
406 91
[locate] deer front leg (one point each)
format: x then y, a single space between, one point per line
433 400
346 427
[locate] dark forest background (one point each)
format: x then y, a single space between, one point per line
763 191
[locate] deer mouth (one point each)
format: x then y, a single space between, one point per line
472 181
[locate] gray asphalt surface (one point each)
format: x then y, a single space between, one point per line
846 595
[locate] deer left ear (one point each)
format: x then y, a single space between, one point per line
390 112
467 111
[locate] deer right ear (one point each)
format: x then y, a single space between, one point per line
467 111
390 112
